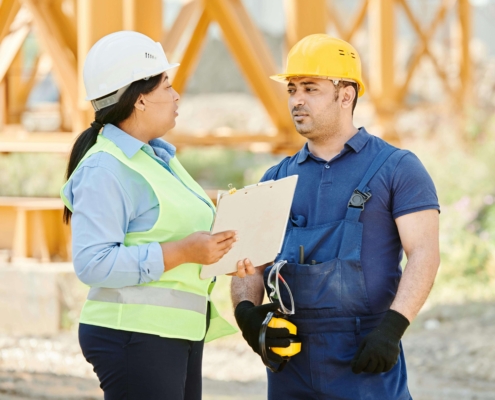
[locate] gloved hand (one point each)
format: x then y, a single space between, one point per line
380 350
250 318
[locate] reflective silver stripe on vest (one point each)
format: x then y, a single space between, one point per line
161 297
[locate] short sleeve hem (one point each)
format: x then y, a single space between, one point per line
417 208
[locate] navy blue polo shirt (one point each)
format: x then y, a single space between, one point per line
402 186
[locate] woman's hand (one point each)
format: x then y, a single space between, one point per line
199 248
205 248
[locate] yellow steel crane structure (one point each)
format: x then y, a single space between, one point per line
66 29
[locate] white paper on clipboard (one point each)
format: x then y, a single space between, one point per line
259 214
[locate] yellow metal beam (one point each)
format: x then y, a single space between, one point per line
8 11
423 48
10 47
93 22
252 56
304 18
66 23
143 16
180 26
18 140
357 19
464 10
382 66
192 52
3 105
51 39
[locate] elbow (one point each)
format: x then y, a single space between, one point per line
86 272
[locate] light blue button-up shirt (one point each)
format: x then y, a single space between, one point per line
109 199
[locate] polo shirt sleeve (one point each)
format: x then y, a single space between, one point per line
102 211
413 189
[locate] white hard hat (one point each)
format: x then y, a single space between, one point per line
117 60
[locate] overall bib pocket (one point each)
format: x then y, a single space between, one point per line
313 286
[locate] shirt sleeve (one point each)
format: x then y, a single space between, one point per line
102 211
413 189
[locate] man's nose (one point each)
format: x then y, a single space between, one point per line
296 100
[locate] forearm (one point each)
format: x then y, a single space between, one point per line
250 288
116 265
174 254
416 284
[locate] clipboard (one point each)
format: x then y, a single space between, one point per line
259 214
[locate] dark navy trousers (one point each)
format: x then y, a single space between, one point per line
139 366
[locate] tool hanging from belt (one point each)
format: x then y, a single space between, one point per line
279 319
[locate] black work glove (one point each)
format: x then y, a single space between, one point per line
250 318
380 350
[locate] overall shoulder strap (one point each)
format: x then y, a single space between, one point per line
362 194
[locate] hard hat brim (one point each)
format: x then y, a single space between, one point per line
139 77
283 78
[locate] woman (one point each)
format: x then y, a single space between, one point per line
140 231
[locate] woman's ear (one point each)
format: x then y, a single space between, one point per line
140 103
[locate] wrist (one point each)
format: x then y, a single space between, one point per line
173 254
395 323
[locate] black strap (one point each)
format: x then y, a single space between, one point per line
362 194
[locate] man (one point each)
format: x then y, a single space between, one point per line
359 204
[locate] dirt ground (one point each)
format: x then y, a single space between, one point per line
450 351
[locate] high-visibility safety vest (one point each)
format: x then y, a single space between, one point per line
175 306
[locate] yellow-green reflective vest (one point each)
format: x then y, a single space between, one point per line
175 306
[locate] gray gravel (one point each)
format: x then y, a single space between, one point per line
450 353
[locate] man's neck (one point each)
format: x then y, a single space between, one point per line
331 146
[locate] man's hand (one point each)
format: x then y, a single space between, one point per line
380 350
244 267
250 318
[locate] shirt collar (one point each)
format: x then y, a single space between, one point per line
357 142
127 143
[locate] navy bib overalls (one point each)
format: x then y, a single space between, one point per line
332 310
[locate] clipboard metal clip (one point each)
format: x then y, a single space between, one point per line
232 189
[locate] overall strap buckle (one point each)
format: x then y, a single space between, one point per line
358 199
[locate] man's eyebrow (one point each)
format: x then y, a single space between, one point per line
164 79
304 83
309 83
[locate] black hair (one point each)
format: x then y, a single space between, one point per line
113 114
343 84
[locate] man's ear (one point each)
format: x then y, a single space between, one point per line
140 103
348 96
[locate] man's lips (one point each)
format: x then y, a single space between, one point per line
299 116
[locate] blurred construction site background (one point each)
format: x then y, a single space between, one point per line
429 67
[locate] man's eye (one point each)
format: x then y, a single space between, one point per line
290 90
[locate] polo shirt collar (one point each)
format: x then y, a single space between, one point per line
125 142
357 142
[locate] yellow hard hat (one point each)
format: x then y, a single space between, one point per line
323 56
